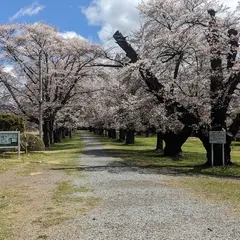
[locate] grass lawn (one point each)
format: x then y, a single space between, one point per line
59 155
142 153
43 181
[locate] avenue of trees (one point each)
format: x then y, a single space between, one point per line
177 75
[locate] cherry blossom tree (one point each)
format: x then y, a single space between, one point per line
48 70
187 59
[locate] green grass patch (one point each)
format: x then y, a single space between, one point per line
60 157
8 197
65 190
43 236
8 161
142 154
67 204
223 191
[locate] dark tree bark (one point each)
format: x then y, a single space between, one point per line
100 132
62 132
109 133
122 135
70 132
130 137
57 135
51 131
113 133
66 132
159 145
174 142
46 131
147 134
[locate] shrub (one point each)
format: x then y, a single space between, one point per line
11 122
31 142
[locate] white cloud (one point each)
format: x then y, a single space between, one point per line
70 34
33 9
118 15
9 69
112 16
231 3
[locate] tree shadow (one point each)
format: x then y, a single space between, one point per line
237 144
191 164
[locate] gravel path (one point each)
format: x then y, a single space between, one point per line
138 204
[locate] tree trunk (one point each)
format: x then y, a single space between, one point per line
159 142
66 132
46 131
51 131
100 132
105 133
57 135
114 133
70 133
174 141
62 132
122 135
109 133
130 138
147 134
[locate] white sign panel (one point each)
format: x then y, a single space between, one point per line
10 140
217 137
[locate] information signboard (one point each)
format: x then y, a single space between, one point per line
217 137
10 140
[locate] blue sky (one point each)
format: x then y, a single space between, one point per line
64 14
97 22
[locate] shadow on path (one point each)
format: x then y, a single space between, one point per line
94 149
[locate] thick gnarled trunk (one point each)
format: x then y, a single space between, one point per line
113 133
130 137
109 131
100 131
57 135
122 135
174 141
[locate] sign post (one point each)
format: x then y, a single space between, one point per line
10 139
217 137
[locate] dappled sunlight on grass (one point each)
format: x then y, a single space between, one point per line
142 153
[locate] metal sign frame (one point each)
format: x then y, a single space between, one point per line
217 137
11 147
